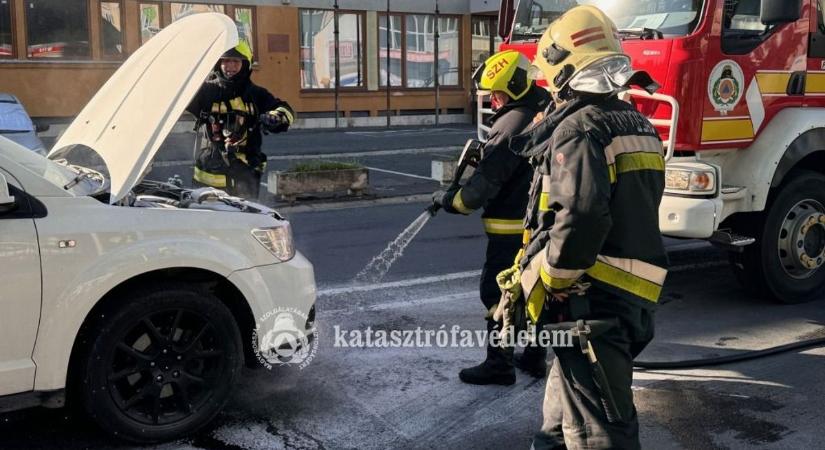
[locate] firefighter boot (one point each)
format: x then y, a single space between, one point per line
533 361
496 369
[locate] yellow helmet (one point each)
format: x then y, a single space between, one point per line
505 71
242 51
582 36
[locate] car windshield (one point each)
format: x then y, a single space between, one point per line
13 118
670 17
53 172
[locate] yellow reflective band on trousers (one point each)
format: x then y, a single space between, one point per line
631 162
458 204
544 201
626 281
502 226
210 179
535 302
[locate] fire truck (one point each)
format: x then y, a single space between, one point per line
741 112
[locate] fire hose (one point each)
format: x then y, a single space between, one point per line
727 359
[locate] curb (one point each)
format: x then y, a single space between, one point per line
334 206
187 126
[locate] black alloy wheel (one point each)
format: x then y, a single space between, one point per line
163 365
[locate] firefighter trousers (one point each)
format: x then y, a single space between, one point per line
501 250
573 409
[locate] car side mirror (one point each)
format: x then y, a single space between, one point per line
41 127
777 12
7 201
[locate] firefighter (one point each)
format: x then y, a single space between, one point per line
594 252
499 186
233 110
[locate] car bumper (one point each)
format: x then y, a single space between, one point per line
276 288
688 217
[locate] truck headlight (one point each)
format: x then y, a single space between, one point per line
278 240
699 181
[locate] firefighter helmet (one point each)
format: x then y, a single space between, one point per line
505 71
242 51
582 36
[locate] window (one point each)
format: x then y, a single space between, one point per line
149 21
111 29
742 27
6 42
448 51
243 19
420 60
318 49
180 10
394 50
57 29
485 39
743 16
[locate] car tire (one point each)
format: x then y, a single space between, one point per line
776 264
161 363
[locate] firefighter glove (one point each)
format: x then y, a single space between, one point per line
509 280
273 120
444 199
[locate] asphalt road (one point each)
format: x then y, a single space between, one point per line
411 398
363 398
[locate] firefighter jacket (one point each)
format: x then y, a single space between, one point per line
500 182
594 201
231 109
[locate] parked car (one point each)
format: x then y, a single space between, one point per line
16 124
136 299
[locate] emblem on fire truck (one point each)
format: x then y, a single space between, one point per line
725 86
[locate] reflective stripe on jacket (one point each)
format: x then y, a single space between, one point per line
500 182
594 203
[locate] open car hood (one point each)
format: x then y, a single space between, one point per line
131 115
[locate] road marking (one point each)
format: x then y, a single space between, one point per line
401 173
403 303
348 288
364 154
400 151
410 132
334 206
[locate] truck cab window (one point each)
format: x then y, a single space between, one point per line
742 28
816 47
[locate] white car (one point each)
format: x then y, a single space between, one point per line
137 299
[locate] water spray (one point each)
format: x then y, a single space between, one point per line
378 267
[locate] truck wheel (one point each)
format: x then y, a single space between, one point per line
786 259
161 364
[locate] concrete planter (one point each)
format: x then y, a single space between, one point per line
291 185
443 170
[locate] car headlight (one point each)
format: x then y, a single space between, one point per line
278 240
698 181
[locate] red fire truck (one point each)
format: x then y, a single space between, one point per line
742 113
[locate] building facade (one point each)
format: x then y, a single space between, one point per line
55 54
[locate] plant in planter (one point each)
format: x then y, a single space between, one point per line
319 178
